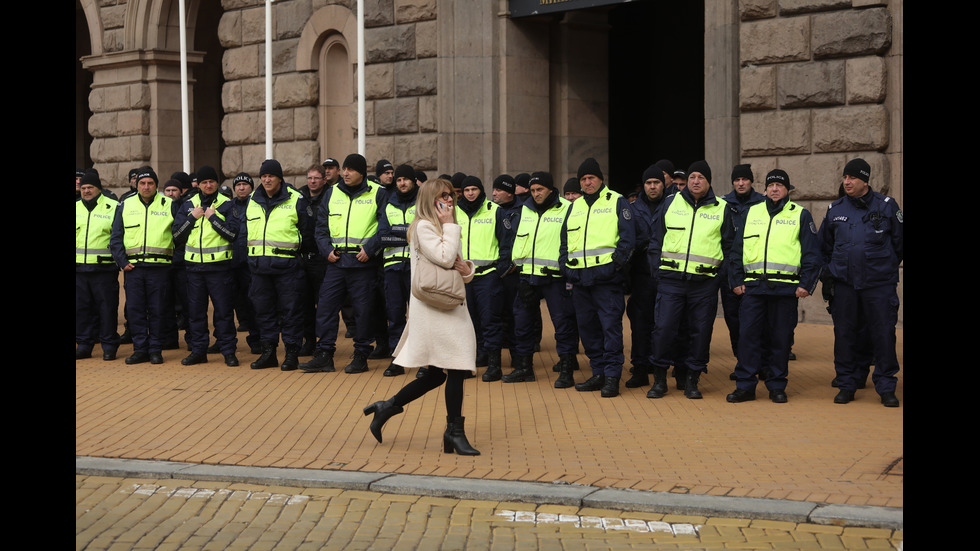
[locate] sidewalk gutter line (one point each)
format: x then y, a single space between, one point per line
575 495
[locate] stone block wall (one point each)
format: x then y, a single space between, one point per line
814 94
400 80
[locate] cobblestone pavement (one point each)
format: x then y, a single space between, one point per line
122 514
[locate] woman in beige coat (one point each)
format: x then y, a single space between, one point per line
442 340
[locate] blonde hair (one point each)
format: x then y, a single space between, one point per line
425 204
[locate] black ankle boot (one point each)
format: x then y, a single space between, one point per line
640 377
455 438
269 358
493 372
523 371
691 385
659 388
565 378
382 412
292 358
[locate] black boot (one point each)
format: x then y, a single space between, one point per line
393 370
455 438
358 364
322 362
566 365
639 378
594 383
292 358
493 372
680 376
691 385
610 388
382 412
269 358
421 372
523 371
381 350
659 388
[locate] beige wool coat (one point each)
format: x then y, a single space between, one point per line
434 337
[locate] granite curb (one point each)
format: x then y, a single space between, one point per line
507 490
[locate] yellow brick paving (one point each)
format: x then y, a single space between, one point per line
122 514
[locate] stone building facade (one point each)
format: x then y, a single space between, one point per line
454 85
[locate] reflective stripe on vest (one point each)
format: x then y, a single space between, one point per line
692 243
353 221
148 229
480 236
593 231
769 254
93 230
274 232
538 239
396 217
204 244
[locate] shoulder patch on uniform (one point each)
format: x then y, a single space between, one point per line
813 227
626 214
899 216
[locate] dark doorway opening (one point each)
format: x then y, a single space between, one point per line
656 87
209 79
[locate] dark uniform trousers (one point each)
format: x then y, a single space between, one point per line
730 304
97 300
219 287
640 311
601 307
684 303
767 323
316 268
398 291
276 296
148 292
360 284
484 298
561 308
878 307
243 303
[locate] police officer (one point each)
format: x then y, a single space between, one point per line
597 241
347 235
485 242
503 195
142 245
384 171
537 244
279 229
96 275
689 244
775 261
740 200
862 244
314 263
643 286
242 187
398 214
207 229
572 189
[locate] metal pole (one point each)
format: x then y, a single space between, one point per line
184 104
360 79
268 79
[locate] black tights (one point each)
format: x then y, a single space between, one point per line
435 376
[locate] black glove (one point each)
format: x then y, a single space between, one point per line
827 289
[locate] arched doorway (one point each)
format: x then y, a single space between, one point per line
336 109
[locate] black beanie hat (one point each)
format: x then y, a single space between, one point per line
521 180
457 180
702 167
355 161
505 182
271 166
133 172
173 182
665 165
780 177
420 176
91 178
384 165
405 171
653 171
572 185
182 177
589 166
147 172
207 173
244 177
471 181
858 168
743 171
542 179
